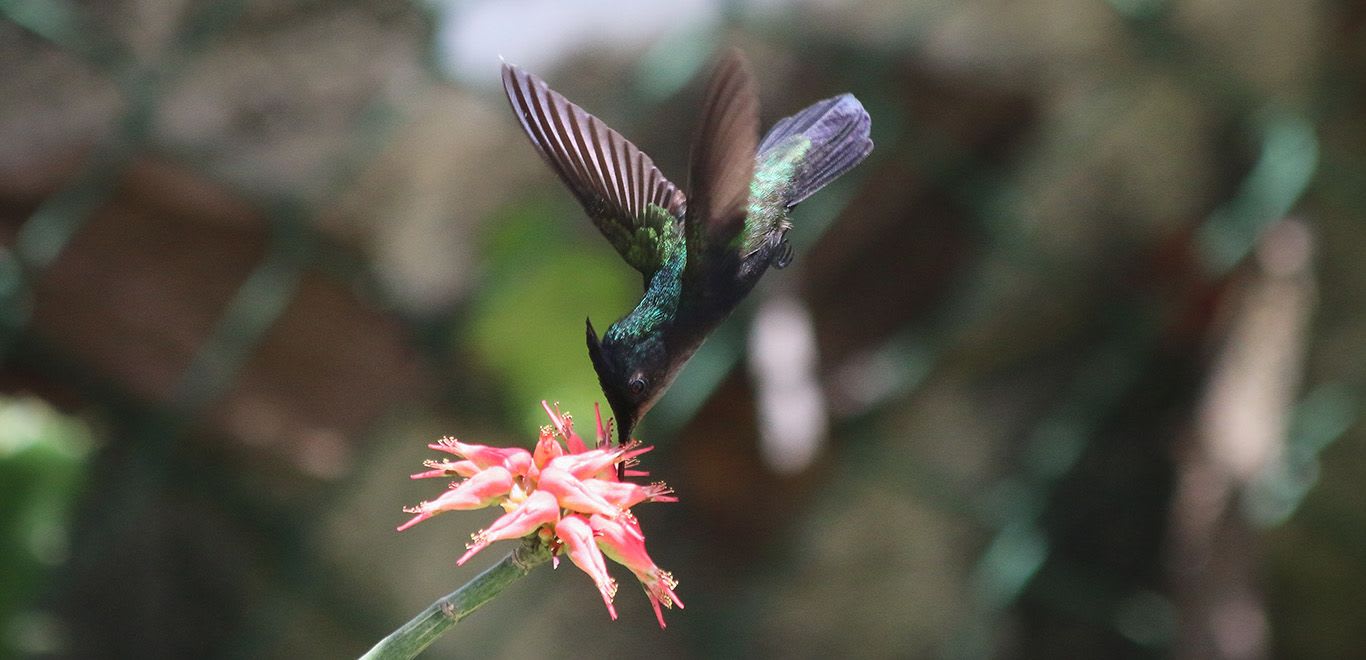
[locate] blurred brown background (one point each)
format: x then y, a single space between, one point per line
1071 366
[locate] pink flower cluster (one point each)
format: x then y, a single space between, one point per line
566 493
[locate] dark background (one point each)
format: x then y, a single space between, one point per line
1071 366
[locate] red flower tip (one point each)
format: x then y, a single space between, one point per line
564 425
415 520
604 431
547 449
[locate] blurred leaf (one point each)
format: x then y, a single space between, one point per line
1287 162
42 462
528 321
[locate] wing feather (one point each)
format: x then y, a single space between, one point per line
618 185
722 161
835 132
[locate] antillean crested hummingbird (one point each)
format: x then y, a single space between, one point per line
702 253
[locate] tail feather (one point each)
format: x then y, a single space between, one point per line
837 129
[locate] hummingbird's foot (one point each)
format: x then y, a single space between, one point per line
782 257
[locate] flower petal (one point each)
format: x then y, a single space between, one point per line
421 516
447 469
547 449
577 537
573 494
622 541
597 462
476 492
604 431
536 510
515 459
659 613
624 494
565 426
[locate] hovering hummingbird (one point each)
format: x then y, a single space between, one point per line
700 254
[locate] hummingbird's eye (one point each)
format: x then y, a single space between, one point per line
637 385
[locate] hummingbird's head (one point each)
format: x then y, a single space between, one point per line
633 372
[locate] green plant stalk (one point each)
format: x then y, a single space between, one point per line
420 631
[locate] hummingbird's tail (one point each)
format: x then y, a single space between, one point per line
836 135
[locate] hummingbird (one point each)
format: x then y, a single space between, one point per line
701 253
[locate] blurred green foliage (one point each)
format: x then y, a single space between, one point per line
43 465
526 320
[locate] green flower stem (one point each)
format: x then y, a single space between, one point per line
412 637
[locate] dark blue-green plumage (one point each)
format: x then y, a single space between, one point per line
700 254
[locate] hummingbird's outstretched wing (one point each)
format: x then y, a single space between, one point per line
635 207
721 164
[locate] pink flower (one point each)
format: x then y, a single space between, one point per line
573 494
622 541
576 536
448 469
477 492
537 510
624 494
512 458
562 491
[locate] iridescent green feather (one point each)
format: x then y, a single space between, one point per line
768 192
645 242
665 284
